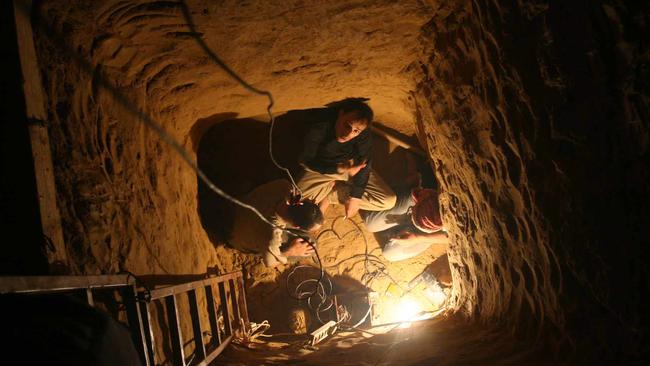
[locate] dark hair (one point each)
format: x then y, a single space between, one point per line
305 214
362 110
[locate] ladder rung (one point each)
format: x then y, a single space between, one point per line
233 301
148 331
175 330
199 347
224 308
212 316
241 296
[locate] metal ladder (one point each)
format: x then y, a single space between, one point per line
225 304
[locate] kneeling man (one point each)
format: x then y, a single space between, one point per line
410 227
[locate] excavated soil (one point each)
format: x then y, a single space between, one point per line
534 114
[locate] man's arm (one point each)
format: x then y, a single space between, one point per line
439 237
298 247
272 255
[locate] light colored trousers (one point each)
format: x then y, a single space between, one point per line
387 224
315 186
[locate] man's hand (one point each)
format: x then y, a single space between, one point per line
298 248
350 168
352 206
344 166
353 170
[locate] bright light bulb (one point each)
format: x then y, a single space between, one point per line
408 309
405 311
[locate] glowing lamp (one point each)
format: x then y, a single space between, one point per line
405 311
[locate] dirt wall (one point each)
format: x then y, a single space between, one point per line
535 116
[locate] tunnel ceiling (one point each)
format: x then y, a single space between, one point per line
535 116
306 53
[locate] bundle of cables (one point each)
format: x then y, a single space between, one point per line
316 292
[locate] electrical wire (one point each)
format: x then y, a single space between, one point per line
148 121
312 243
141 116
242 82
364 317
256 330
186 157
138 281
320 299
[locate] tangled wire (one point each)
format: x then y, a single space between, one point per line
317 292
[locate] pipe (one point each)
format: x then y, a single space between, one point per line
399 141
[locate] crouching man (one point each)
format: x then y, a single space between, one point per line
410 227
274 245
338 148
300 216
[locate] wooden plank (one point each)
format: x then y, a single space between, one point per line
235 304
40 140
212 355
392 138
223 296
212 316
89 297
134 317
199 347
148 332
178 353
242 299
26 284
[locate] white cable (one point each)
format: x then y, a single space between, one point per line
293 183
242 82
149 122
188 159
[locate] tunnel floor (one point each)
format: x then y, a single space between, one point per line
441 341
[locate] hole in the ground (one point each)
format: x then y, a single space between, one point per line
234 153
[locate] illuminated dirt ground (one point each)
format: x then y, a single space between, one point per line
535 116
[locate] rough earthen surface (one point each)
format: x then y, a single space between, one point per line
534 114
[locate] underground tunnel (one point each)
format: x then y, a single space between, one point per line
530 118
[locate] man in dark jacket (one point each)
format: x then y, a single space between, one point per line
338 148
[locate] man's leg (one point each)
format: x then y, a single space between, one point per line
394 249
382 220
378 196
316 186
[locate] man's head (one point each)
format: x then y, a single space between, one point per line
305 215
352 119
425 214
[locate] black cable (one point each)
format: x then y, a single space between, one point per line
368 258
325 294
143 117
213 56
312 243
138 281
